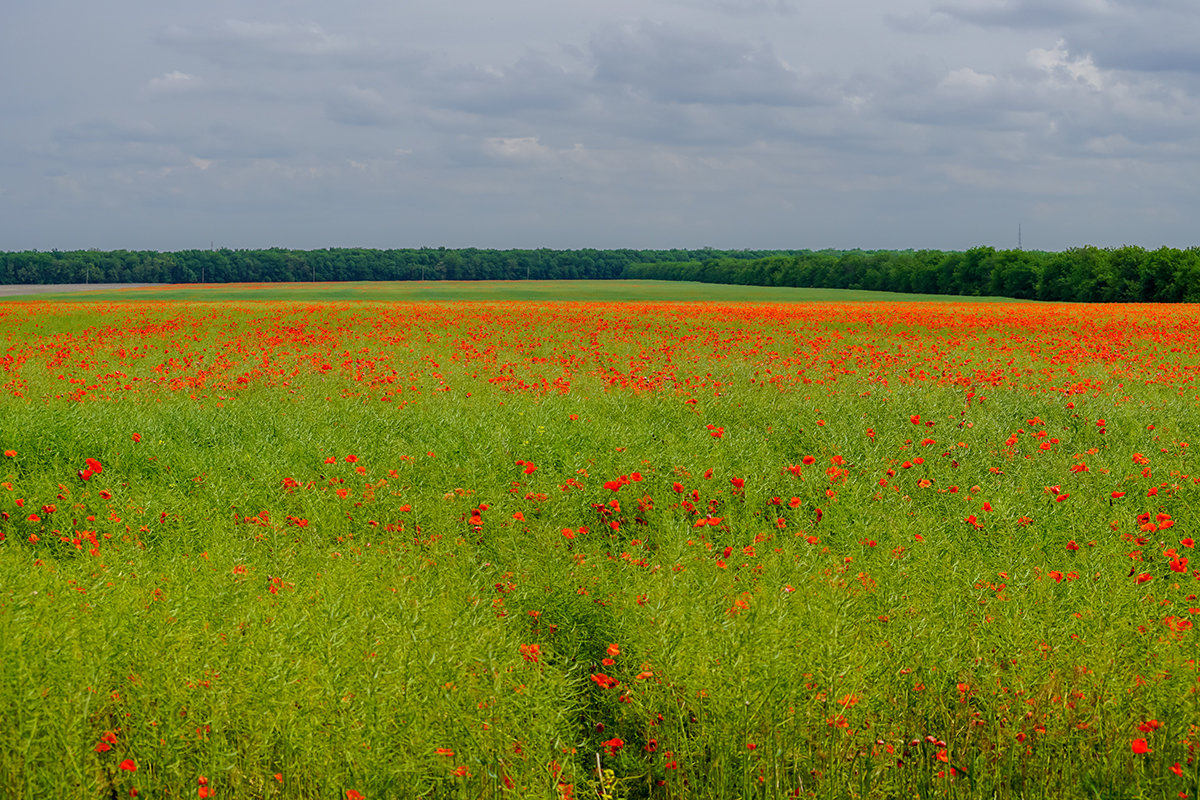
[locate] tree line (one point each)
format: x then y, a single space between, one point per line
1081 274
1086 274
276 265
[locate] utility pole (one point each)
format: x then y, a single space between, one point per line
1018 236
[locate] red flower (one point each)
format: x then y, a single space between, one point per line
604 681
127 765
351 794
613 745
1140 746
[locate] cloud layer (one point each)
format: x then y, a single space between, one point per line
731 123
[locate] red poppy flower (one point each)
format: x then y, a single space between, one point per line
604 681
127 765
1140 746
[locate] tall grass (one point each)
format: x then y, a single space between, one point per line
370 550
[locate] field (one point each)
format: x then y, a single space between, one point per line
646 291
292 548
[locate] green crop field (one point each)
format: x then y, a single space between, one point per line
649 291
290 545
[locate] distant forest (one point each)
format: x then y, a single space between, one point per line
1084 274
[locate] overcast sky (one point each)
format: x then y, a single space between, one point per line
153 124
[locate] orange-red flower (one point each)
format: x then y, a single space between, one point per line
604 681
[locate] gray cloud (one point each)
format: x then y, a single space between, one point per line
275 45
357 105
743 7
739 123
670 65
1136 35
1025 13
533 82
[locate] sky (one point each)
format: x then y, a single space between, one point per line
761 124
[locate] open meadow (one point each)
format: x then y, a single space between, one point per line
326 546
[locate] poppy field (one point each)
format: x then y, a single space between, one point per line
598 550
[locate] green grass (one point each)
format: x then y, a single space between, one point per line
490 291
295 574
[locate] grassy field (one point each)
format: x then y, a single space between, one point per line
461 549
488 291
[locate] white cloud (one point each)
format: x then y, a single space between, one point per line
967 81
1061 66
523 148
174 81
